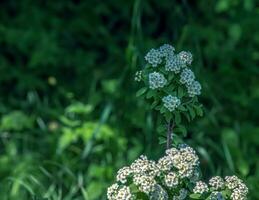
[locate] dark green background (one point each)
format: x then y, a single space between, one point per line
69 115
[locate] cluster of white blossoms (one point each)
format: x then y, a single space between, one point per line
164 65
238 190
217 183
153 57
156 80
187 77
151 177
200 188
194 89
173 172
171 102
138 76
116 192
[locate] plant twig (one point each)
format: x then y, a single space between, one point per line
169 138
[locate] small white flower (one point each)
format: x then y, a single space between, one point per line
171 179
171 102
156 80
200 188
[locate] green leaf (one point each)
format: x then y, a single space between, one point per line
181 129
180 92
154 104
161 128
195 196
163 110
141 91
182 108
168 116
150 94
191 111
177 117
162 140
199 110
187 116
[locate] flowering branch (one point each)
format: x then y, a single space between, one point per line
170 87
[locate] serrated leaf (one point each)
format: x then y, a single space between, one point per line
141 91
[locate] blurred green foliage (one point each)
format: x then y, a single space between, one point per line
69 115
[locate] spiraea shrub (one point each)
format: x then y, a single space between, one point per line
171 88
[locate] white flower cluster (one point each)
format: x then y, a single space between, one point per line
116 192
171 102
166 50
154 57
172 172
187 77
184 159
200 188
238 190
177 164
138 76
186 57
194 89
217 183
174 64
156 80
